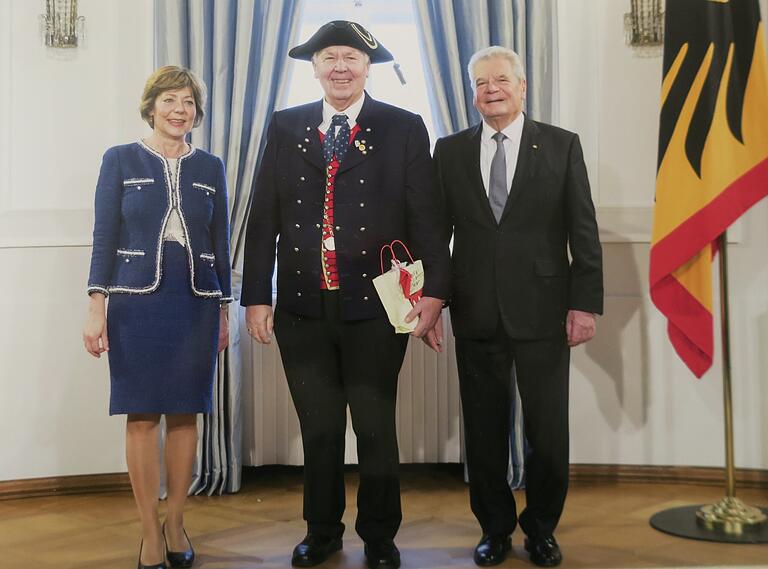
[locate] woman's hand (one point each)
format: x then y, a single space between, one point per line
95 329
223 327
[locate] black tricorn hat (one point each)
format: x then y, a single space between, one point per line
342 32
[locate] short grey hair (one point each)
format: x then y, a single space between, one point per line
496 51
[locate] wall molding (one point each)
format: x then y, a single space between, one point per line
48 168
42 227
579 473
46 228
624 224
637 473
633 224
64 485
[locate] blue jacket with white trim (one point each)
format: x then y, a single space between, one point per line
133 203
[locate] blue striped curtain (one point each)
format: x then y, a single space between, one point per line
450 32
239 48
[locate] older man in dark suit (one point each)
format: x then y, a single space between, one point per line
517 200
340 178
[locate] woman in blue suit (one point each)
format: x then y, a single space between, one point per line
161 255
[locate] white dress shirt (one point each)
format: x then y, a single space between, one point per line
513 132
351 111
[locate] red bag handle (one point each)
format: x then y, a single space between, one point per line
404 247
392 252
381 256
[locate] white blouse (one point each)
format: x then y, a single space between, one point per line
174 230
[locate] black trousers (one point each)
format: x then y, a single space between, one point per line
485 380
331 364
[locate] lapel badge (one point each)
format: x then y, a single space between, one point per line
535 146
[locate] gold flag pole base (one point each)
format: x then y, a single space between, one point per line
730 515
686 522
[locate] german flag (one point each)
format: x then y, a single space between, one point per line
713 157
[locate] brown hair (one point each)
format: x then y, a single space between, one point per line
170 78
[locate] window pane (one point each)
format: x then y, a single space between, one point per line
393 23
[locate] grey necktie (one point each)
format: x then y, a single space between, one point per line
497 190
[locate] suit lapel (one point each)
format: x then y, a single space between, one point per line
368 141
526 164
472 167
307 139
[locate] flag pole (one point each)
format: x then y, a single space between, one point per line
730 514
730 520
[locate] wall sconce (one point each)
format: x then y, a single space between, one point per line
62 27
644 25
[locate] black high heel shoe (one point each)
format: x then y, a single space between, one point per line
179 558
142 566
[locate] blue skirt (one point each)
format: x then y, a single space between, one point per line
162 345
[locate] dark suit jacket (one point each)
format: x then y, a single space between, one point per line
385 194
519 270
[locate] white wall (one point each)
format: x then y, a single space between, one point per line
59 111
632 399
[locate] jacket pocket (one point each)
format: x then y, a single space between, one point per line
209 190
130 253
130 268
206 278
138 183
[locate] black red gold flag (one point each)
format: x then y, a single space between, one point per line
713 157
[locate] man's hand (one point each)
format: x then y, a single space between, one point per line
259 321
428 310
579 327
434 337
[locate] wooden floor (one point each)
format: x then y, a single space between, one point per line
604 526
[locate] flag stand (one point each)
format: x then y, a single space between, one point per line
730 519
730 514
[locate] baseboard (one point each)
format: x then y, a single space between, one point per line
580 474
697 475
62 485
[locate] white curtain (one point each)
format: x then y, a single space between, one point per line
428 413
239 49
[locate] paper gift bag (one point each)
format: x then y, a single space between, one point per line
400 287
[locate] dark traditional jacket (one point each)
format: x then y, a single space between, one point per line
384 190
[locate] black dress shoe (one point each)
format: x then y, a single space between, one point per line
314 549
382 555
544 551
179 558
142 566
492 550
